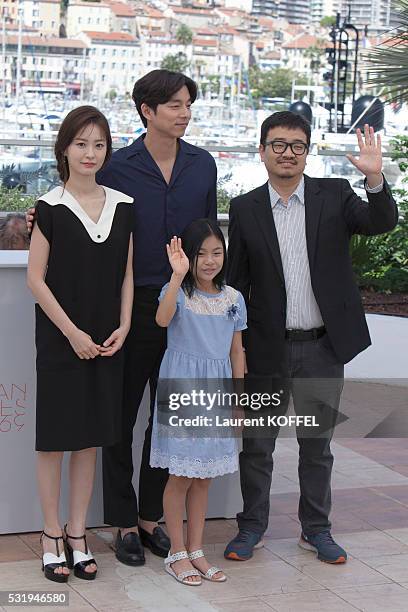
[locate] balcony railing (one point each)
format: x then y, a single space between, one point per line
30 163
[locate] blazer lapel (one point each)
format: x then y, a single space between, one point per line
313 209
263 212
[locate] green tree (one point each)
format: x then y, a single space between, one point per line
177 62
389 61
275 83
381 262
328 21
184 35
315 54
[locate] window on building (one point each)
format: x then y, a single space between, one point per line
113 65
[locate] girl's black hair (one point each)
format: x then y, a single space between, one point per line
191 241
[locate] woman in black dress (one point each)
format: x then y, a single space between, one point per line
80 272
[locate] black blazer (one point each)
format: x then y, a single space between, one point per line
333 213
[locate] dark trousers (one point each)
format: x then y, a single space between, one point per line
144 349
308 360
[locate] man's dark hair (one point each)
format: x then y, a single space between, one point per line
286 119
157 87
13 233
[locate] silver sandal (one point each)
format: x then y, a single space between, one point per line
182 577
209 574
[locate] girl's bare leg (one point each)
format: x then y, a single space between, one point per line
81 478
197 501
174 501
49 483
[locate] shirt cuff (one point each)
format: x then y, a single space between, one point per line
376 189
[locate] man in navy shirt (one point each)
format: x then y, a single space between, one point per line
172 183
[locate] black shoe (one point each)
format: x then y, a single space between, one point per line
158 541
78 560
50 561
129 549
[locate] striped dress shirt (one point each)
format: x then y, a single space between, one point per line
302 311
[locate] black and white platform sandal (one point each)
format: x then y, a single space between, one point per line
78 560
50 562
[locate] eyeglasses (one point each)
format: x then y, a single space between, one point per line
280 146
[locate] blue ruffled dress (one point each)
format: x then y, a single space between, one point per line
198 346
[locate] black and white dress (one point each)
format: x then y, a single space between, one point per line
79 401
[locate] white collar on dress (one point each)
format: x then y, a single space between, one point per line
99 231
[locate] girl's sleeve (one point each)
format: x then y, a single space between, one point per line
43 217
180 296
241 319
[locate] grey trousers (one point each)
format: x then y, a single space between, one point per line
315 378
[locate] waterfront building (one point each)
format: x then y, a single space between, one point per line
43 15
47 64
114 62
92 16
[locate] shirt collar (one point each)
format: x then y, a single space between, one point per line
299 193
59 195
138 146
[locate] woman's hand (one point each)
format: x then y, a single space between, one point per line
114 343
83 344
30 215
177 258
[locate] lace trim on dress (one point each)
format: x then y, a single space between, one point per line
217 305
194 468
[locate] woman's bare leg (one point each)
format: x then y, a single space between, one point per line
49 485
81 478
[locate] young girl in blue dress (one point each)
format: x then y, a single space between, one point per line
205 319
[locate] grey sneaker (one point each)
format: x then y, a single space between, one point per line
326 548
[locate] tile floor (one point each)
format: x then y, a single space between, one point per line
370 519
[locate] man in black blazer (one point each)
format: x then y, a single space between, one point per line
289 256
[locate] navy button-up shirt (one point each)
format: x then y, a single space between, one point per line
161 210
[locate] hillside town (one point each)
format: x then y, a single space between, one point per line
98 48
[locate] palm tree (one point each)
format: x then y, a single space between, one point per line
388 63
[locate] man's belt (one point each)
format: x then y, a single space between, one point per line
302 335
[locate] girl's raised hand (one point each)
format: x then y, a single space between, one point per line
177 258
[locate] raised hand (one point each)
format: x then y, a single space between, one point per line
177 258
369 161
